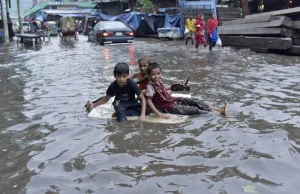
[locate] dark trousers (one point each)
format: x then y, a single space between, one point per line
211 43
131 108
189 106
10 31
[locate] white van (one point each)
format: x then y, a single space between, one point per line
26 27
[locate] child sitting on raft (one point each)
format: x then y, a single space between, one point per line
124 90
157 94
142 75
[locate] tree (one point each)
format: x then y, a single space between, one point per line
147 4
235 3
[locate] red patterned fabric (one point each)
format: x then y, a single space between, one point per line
143 84
160 96
211 25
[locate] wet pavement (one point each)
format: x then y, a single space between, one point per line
49 145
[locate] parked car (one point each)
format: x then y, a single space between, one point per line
106 32
26 27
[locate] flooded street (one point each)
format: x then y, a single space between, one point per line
49 145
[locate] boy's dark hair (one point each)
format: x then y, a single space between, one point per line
144 59
152 66
121 68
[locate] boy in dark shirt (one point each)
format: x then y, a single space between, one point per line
157 94
124 90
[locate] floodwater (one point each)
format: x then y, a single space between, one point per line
49 145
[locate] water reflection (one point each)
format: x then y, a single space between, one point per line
106 54
131 49
19 137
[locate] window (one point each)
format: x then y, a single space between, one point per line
96 27
112 25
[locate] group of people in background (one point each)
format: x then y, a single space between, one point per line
203 33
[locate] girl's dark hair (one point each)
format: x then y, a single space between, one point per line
121 68
152 66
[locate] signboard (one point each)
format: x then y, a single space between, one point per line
63 3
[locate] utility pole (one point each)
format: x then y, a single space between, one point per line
7 5
20 17
4 18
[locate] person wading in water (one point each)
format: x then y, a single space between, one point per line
212 31
190 25
199 35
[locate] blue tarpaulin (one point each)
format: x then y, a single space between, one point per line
145 23
155 21
40 16
106 17
174 21
132 19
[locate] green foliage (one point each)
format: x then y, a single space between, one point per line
235 3
147 4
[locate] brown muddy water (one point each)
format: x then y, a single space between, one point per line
48 144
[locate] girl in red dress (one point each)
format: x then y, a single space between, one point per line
200 31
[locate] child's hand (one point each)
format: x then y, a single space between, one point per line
164 116
142 118
89 106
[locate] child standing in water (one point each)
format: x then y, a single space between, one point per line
157 94
124 90
142 75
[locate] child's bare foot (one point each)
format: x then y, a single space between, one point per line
114 114
223 109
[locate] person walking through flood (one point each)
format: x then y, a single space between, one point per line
190 26
46 30
200 28
212 31
10 28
